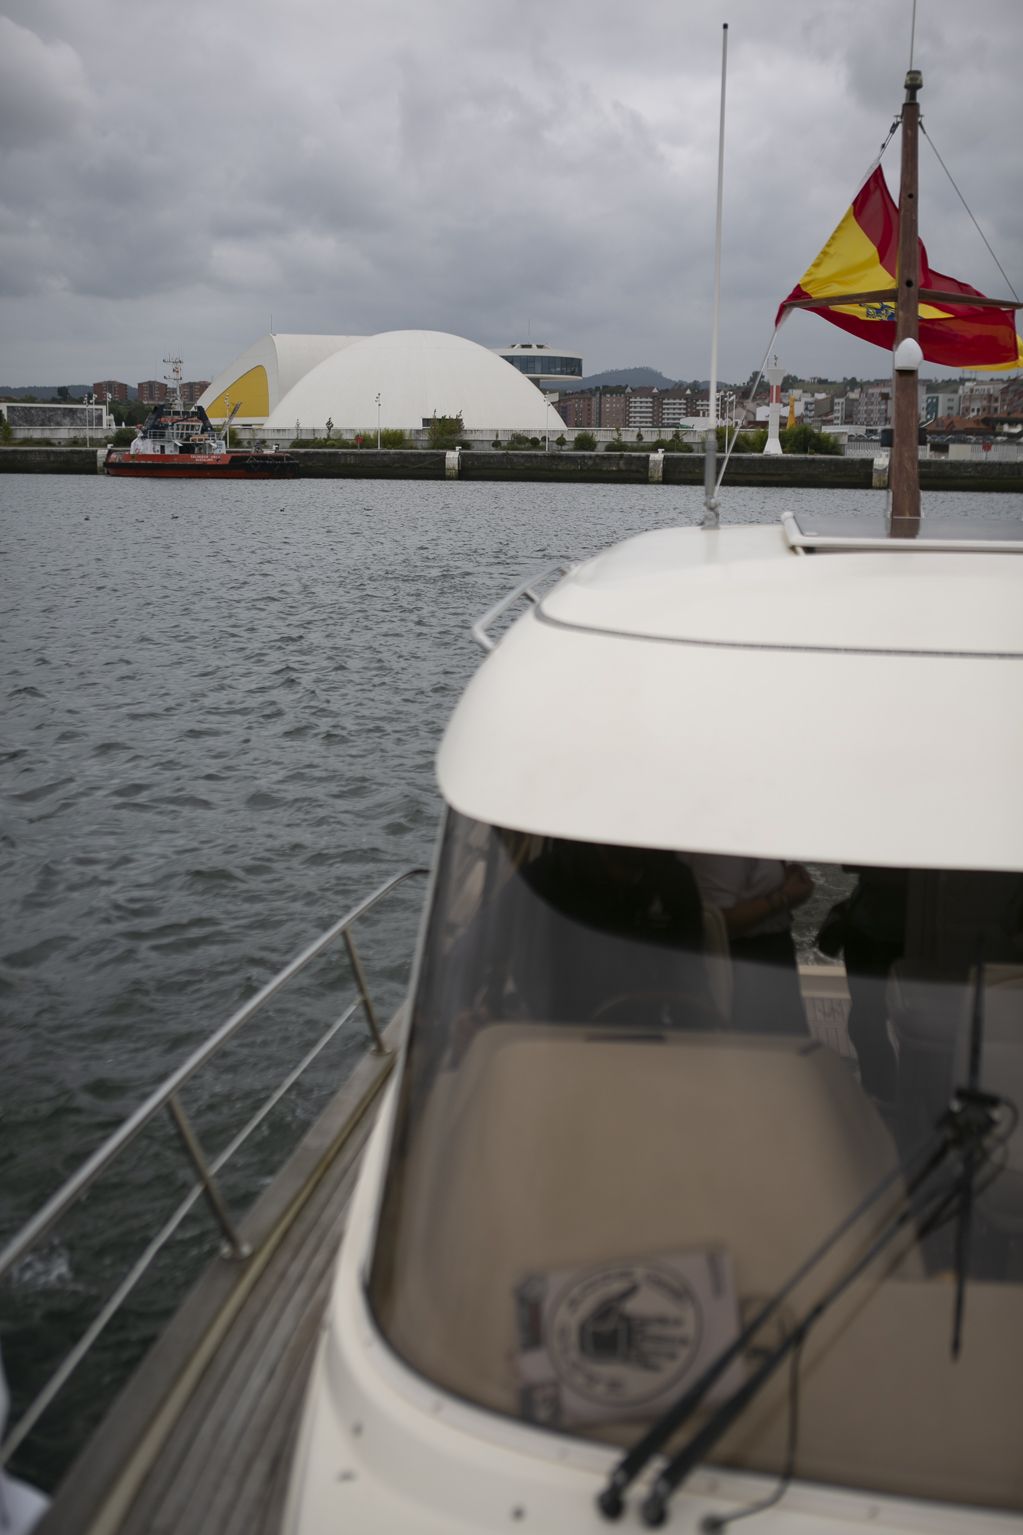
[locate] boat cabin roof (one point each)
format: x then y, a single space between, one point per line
732 691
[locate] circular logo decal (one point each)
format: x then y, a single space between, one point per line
624 1336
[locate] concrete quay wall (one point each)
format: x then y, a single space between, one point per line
21 459
567 467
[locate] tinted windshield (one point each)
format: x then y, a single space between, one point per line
643 1085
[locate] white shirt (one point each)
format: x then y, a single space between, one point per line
725 881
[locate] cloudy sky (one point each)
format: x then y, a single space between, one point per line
174 175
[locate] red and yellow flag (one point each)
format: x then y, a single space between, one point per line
862 257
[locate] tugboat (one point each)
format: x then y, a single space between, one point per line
180 442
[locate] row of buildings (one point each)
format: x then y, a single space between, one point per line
866 407
149 391
287 387
869 406
637 408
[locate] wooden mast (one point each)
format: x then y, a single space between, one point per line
904 469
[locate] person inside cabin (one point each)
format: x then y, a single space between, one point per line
620 936
873 938
578 932
756 897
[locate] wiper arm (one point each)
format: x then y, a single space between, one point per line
932 1152
965 1221
931 1210
964 1127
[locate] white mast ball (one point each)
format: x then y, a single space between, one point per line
908 356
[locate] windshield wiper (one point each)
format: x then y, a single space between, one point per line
934 1149
965 1127
970 1168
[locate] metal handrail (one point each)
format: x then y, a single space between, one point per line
524 589
76 1185
166 1096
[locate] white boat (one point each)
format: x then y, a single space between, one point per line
590 1174
638 1232
648 1225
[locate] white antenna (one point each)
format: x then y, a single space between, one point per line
710 502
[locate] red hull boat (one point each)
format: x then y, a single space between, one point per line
260 465
176 443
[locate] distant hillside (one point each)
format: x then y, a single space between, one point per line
622 378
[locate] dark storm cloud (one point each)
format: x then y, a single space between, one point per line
489 167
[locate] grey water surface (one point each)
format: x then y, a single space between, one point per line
221 705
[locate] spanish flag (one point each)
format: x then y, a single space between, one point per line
862 258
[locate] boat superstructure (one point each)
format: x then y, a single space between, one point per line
622 1126
625 1142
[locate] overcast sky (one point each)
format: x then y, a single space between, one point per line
174 175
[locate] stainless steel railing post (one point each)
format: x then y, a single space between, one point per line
379 1048
215 1199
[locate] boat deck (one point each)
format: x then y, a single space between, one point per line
199 1442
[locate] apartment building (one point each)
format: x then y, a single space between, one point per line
940 403
109 389
151 391
641 408
981 397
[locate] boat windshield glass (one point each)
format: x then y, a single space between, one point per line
643 1086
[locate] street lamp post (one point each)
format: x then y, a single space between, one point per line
378 423
88 412
547 441
728 401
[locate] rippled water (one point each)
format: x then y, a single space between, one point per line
221 706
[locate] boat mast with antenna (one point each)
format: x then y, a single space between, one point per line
173 378
710 500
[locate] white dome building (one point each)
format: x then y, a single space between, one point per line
260 378
282 381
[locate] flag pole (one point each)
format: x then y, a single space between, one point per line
904 471
710 500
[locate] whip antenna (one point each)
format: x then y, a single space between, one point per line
710 502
